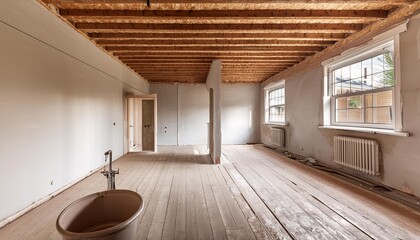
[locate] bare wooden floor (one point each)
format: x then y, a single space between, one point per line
254 194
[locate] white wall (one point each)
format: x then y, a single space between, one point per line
59 99
193 114
240 113
167 113
401 155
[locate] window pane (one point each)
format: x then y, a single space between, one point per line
368 115
382 115
337 88
354 102
345 87
367 83
341 116
356 85
337 75
366 68
388 61
368 101
378 80
345 73
382 99
378 64
388 80
276 114
341 103
354 115
356 70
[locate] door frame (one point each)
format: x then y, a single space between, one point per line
127 127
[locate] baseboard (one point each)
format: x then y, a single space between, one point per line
44 199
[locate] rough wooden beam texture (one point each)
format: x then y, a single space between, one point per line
223 16
192 61
261 54
209 58
212 42
176 40
230 5
354 40
221 36
217 48
217 27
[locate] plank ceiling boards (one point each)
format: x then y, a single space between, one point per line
175 41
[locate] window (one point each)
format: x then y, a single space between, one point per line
360 89
275 103
363 90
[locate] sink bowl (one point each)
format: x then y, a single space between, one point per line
111 214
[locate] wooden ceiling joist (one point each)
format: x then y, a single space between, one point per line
169 48
230 5
223 16
222 36
176 40
124 27
226 54
213 42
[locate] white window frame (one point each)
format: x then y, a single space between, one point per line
267 89
357 54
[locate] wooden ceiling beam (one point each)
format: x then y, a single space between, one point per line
217 27
230 5
223 16
300 13
221 36
218 48
176 40
176 61
210 58
214 42
224 64
215 55
289 20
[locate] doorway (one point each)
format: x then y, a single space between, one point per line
141 119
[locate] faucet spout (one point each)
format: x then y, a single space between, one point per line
110 174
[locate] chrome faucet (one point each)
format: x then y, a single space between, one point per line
110 174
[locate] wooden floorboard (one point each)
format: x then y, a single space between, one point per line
255 193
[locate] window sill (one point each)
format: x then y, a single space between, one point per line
277 124
367 130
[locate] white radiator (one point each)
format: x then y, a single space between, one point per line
357 153
277 137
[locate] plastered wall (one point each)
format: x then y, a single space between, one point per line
61 105
240 113
401 155
187 105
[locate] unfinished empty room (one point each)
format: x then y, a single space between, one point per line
212 119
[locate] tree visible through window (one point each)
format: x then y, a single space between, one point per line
363 90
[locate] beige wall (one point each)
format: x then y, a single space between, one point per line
59 99
401 155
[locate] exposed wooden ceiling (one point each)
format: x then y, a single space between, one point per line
175 41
